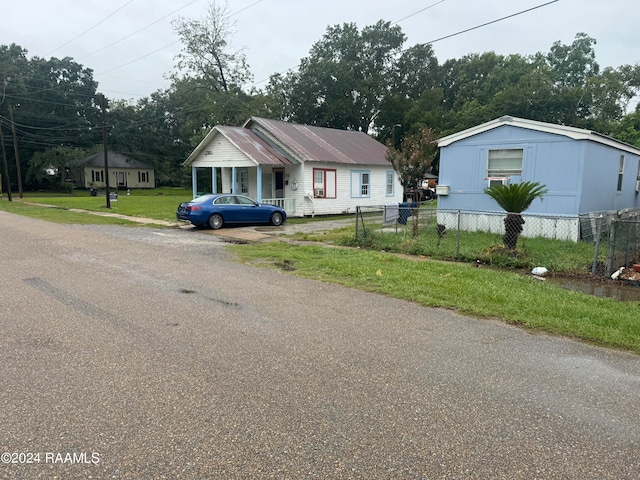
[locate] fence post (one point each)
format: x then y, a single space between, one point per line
357 215
458 237
612 249
597 247
628 249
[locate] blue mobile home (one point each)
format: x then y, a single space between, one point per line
584 172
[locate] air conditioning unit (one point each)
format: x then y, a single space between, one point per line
491 181
318 192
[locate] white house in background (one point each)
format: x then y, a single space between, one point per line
306 170
124 172
583 171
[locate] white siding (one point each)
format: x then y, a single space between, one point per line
344 202
222 153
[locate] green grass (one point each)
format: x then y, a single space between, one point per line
158 204
58 215
480 292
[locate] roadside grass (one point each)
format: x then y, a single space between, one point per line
58 215
479 292
158 204
559 256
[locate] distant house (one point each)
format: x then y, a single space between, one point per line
124 172
306 170
583 171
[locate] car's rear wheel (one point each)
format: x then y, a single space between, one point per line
276 218
215 221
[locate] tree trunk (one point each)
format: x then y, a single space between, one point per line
512 229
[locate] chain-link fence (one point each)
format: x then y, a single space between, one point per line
600 243
615 238
459 234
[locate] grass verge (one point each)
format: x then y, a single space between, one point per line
59 215
479 292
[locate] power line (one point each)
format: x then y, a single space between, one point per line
491 22
138 31
445 37
88 30
167 46
416 13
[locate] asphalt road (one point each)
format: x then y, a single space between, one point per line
149 354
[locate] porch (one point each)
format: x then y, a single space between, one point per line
265 184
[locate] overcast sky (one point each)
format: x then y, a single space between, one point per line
130 44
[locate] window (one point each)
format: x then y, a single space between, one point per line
324 183
620 172
243 180
143 177
97 175
505 162
390 182
359 184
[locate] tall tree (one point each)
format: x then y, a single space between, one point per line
206 53
345 78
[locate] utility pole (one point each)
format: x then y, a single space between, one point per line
6 167
103 105
15 149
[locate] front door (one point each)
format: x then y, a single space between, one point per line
279 181
121 179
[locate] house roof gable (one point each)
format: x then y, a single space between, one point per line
116 160
570 132
244 140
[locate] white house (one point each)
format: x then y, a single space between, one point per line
583 171
124 172
306 170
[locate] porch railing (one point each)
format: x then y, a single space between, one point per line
288 204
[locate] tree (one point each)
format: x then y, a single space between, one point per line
52 168
515 198
414 158
206 52
348 74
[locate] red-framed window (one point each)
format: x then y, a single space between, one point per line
324 183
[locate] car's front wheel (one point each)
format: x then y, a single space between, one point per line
216 221
277 219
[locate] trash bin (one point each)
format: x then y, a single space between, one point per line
404 213
93 192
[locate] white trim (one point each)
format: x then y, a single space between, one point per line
571 132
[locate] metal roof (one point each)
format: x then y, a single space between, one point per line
253 146
319 144
274 142
116 160
571 132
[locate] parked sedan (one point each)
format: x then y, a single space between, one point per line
220 209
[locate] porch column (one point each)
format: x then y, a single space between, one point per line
233 179
194 181
259 185
214 180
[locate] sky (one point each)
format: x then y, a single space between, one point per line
131 45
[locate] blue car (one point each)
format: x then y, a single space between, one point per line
220 209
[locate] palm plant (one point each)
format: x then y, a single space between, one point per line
515 198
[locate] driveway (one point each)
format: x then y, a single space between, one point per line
150 353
